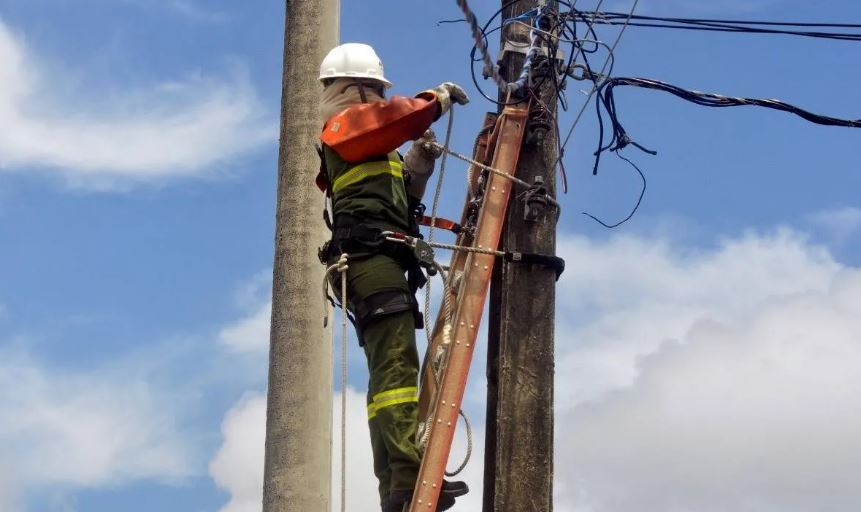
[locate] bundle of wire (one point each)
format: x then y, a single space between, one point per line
555 32
605 102
620 138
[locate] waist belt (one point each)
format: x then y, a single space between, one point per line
360 239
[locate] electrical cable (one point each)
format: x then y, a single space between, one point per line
620 15
636 206
595 85
606 104
620 136
712 25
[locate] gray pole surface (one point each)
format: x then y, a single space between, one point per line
520 362
297 470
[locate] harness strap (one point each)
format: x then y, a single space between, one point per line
439 222
322 179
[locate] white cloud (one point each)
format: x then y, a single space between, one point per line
250 334
633 294
238 465
69 430
688 378
839 223
724 379
181 129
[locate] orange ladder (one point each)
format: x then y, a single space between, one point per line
449 356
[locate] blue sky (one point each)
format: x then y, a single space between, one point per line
707 351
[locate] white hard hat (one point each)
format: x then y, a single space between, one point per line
353 60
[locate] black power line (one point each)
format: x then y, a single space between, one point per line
619 15
606 102
715 25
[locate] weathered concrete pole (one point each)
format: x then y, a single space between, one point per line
519 444
297 472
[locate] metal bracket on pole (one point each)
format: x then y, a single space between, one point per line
535 200
522 49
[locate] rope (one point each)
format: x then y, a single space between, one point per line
482 166
342 262
465 248
434 207
341 266
490 68
510 177
447 312
468 446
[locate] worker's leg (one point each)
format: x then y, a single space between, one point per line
394 376
393 365
381 455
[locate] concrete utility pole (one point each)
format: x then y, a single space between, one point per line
298 473
520 366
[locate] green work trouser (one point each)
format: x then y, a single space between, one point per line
393 364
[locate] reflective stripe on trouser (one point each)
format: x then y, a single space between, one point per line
393 365
392 398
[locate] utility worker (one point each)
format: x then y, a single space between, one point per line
373 190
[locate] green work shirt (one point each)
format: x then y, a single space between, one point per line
372 191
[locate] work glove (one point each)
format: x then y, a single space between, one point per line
419 163
427 145
448 92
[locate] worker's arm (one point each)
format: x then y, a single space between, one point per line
376 129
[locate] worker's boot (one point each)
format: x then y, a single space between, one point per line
450 491
398 501
454 489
